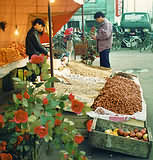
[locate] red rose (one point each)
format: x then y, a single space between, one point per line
19 96
59 114
58 122
45 101
73 152
65 156
41 131
36 59
2 148
3 143
71 97
6 156
78 139
1 121
77 106
26 95
21 116
19 139
89 124
50 89
83 158
17 129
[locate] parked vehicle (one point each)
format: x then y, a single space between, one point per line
134 26
133 22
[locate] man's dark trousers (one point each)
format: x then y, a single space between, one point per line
104 58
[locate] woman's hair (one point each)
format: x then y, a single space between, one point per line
98 15
39 21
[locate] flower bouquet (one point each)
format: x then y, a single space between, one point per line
36 117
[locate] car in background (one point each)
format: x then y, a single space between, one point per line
135 23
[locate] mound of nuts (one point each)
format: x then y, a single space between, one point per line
119 95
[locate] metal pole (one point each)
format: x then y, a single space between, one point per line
50 41
122 6
82 23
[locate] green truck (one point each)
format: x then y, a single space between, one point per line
133 23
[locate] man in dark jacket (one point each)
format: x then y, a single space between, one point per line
104 39
33 45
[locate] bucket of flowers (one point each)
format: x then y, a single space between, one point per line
35 118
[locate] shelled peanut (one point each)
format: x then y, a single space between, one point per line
119 95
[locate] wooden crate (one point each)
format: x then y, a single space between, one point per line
99 139
81 48
79 121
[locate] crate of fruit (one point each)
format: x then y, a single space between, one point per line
120 137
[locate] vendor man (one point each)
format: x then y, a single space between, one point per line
33 45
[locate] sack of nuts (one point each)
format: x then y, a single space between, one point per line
120 95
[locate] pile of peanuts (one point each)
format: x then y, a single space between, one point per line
119 95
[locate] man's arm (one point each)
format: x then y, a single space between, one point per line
38 45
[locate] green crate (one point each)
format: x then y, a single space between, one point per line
99 139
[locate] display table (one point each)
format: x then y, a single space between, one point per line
6 69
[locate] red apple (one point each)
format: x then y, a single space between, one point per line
125 134
139 135
136 130
145 136
132 134
143 131
120 132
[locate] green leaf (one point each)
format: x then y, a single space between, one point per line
47 84
15 99
44 119
29 73
13 140
25 102
16 79
26 148
50 110
29 66
61 105
30 90
37 70
45 67
65 97
54 103
39 84
32 118
45 76
47 138
34 124
34 66
11 125
37 109
24 126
